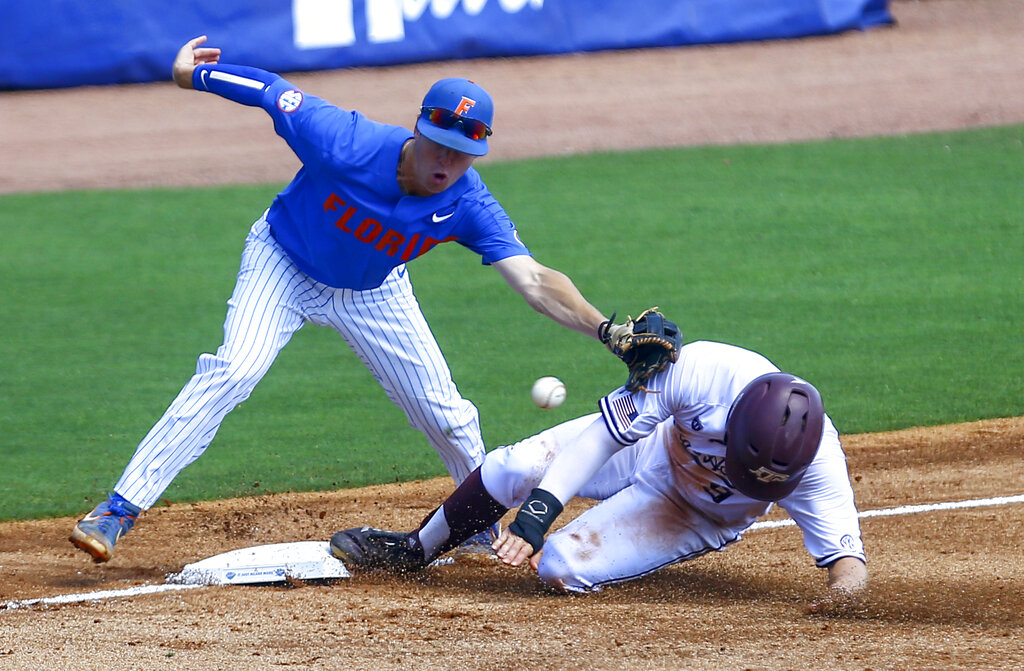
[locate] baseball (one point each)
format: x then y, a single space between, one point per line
548 392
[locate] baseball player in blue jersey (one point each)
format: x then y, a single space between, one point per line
332 250
681 468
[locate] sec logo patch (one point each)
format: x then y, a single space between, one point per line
289 101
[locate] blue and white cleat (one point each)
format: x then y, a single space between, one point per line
98 531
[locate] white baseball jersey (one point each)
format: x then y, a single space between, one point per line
665 496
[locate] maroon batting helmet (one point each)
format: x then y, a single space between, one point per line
772 435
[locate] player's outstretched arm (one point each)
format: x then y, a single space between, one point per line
550 293
189 56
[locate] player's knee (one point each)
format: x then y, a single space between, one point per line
238 376
443 419
510 473
560 567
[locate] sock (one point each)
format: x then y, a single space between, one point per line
122 506
469 510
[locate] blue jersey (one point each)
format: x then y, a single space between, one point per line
343 219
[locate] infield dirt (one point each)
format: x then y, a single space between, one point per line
947 587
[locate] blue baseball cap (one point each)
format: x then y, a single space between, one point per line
464 100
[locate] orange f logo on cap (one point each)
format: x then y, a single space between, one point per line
464 106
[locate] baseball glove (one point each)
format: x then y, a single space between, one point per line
646 345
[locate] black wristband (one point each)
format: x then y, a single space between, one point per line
535 517
604 327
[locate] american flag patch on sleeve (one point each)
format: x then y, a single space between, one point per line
625 410
619 411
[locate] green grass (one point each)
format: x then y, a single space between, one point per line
887 271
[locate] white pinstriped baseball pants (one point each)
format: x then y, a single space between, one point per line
271 301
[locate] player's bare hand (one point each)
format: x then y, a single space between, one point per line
837 602
189 56
511 549
847 584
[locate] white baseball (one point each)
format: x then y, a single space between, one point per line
548 392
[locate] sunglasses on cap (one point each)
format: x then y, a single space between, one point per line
446 119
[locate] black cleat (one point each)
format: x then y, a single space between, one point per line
372 549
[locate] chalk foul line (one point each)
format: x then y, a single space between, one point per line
94 596
908 510
768 524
